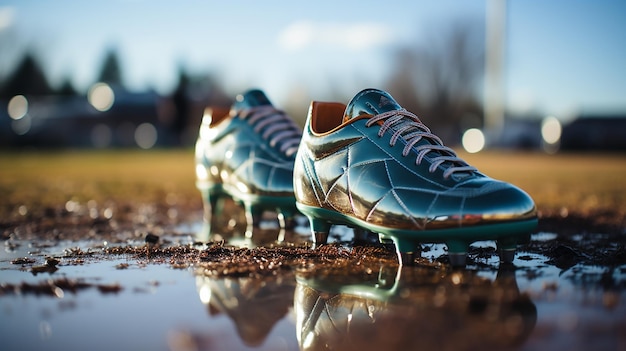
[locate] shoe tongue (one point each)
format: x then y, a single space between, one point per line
370 102
251 98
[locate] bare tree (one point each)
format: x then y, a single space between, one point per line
404 81
440 79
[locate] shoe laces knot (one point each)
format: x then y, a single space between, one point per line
275 126
408 126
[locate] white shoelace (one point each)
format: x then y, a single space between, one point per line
409 126
274 125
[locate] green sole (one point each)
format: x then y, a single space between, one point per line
256 201
507 235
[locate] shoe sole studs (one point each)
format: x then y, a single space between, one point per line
507 236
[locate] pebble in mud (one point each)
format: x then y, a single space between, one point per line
51 261
151 238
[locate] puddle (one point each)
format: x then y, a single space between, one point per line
85 295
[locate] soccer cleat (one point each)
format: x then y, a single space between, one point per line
247 153
375 166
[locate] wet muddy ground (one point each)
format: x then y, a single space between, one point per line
106 274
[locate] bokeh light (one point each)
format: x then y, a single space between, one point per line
205 290
551 130
101 135
473 140
146 135
101 96
18 107
21 126
201 172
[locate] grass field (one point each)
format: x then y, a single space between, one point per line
579 182
576 182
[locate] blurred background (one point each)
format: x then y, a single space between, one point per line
530 74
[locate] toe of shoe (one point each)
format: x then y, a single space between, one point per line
506 204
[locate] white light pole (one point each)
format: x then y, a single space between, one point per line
495 38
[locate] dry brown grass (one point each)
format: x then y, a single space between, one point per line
576 182
52 179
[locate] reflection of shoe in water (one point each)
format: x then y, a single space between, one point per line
413 308
247 153
255 305
376 166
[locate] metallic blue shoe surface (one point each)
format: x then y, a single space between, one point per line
247 152
374 165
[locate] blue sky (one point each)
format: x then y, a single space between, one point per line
562 56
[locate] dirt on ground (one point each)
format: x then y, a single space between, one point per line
592 238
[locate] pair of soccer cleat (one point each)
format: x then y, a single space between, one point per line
370 165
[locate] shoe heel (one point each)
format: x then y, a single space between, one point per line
320 228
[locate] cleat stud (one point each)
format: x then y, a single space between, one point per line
286 220
281 235
407 251
319 238
320 230
506 249
209 205
507 255
387 242
408 258
457 252
253 218
212 204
